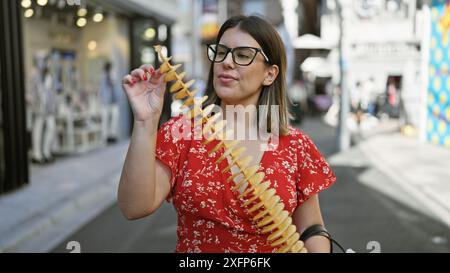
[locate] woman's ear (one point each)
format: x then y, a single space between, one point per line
271 75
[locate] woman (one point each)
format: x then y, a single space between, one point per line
247 68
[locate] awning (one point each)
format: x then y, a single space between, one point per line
318 66
309 41
166 11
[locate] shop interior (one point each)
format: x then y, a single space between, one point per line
73 57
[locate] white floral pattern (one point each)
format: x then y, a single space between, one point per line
210 215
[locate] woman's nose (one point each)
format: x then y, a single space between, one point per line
228 61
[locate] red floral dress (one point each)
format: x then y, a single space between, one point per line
210 216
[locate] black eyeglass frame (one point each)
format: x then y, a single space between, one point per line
209 46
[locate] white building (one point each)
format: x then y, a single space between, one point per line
382 40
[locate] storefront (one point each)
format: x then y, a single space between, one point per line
79 41
69 95
57 98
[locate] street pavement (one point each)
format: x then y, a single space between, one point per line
365 211
59 199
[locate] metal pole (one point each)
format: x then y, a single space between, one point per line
223 11
343 131
196 39
425 58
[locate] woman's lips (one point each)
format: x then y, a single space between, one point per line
226 79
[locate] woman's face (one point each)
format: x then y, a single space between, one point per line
236 84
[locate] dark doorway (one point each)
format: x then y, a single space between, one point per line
13 140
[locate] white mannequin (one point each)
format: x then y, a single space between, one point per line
43 105
110 106
68 104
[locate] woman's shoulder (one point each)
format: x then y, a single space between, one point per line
295 133
172 121
298 138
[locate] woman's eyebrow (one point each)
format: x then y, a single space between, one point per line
239 46
247 46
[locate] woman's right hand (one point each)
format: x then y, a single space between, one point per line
146 96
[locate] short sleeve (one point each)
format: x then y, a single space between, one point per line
169 148
315 173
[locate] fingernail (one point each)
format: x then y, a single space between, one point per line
145 78
152 70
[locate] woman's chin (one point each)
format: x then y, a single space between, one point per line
227 94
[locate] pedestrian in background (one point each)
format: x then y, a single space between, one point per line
110 106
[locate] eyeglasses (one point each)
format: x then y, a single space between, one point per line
242 55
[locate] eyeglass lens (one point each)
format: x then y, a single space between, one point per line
241 55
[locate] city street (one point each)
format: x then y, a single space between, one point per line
77 78
358 215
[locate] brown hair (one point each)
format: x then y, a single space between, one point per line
272 45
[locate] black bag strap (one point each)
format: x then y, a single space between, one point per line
319 230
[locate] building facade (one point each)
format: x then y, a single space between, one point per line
382 44
52 71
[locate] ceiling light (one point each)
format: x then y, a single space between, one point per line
81 22
26 4
149 34
42 2
98 17
92 45
28 13
82 12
